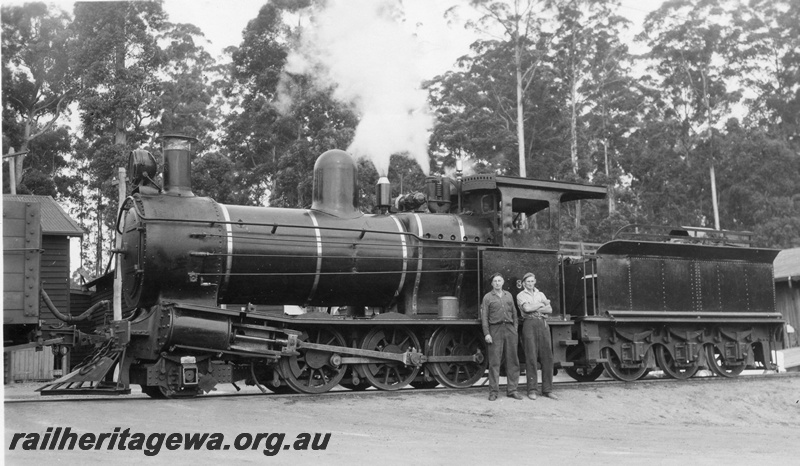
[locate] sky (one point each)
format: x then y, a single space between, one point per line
222 22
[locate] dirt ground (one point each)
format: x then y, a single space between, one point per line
706 421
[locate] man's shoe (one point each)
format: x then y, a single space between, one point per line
532 395
515 395
551 396
492 396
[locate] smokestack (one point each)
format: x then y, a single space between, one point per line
177 150
383 194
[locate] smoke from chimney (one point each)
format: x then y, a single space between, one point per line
372 61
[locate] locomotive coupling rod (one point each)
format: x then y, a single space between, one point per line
477 357
408 358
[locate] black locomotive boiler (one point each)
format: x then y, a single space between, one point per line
392 298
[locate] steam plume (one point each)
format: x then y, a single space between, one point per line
372 61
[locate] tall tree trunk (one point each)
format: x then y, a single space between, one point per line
98 266
573 124
573 134
20 159
612 205
520 109
120 137
712 175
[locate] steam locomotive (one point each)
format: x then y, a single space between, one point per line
392 298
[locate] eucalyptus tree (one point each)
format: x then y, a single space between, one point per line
38 85
759 189
769 64
760 192
691 44
186 93
476 111
252 89
518 22
590 64
280 121
117 47
141 76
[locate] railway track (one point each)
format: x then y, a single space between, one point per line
561 382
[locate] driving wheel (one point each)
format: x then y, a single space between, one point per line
390 375
457 342
314 371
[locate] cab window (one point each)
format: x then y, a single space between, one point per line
530 214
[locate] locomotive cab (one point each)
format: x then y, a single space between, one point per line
526 211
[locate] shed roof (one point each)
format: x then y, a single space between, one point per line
787 264
55 220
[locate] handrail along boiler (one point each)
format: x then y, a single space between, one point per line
394 296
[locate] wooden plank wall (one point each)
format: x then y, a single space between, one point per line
21 262
29 365
55 277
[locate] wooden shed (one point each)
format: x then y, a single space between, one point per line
53 274
787 290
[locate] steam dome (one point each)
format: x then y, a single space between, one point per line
336 185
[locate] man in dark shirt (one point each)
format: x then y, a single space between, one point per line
499 320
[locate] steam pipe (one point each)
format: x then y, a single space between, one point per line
72 319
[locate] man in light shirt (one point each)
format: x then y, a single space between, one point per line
536 340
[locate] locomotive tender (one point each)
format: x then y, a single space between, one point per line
394 296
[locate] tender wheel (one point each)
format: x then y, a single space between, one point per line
390 375
457 342
667 364
313 371
615 369
717 363
585 373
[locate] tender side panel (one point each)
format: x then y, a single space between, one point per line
713 281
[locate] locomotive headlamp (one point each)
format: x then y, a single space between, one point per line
142 167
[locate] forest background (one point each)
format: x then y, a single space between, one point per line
713 99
